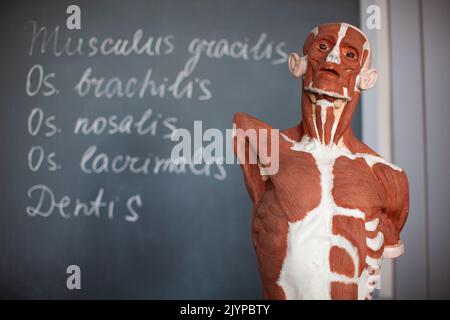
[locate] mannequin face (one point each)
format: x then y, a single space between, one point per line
336 56
334 67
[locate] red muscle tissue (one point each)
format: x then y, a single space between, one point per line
324 221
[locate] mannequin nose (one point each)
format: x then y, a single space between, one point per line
334 56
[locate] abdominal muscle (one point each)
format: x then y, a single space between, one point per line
305 273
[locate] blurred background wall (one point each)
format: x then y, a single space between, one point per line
406 118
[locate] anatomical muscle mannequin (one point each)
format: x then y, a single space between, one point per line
334 209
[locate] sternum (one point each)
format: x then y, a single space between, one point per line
306 269
306 272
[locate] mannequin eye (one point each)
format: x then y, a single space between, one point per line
323 46
351 55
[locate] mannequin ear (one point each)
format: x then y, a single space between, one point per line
367 79
297 65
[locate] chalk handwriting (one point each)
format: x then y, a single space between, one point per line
148 124
45 203
94 161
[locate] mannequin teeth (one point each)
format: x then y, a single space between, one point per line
334 95
338 103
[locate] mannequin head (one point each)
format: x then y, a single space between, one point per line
335 67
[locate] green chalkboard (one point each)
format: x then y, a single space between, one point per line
85 121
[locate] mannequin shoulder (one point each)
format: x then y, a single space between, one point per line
245 121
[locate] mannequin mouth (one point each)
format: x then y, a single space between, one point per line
330 72
327 94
